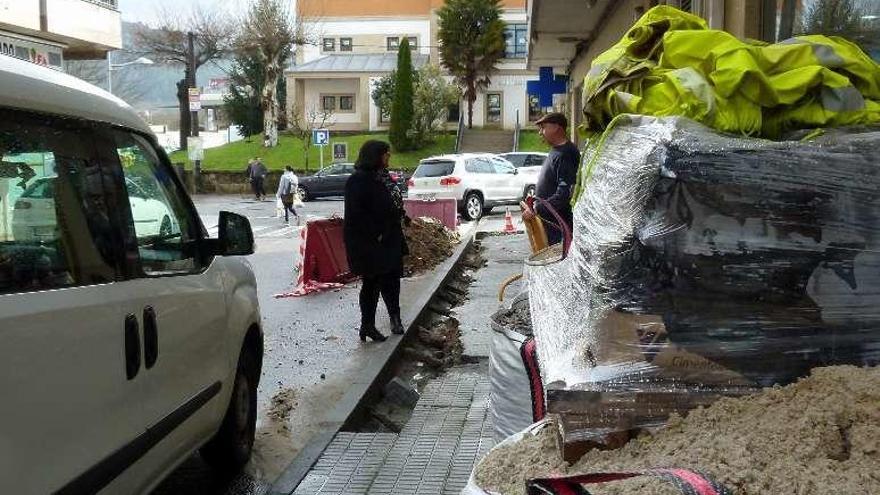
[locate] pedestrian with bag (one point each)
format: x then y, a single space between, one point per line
373 234
287 187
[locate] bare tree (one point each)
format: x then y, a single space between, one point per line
300 123
169 43
268 34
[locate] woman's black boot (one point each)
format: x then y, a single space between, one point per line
372 333
396 325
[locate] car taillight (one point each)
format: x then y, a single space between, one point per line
22 205
410 183
450 181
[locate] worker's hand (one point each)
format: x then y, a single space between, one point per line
528 214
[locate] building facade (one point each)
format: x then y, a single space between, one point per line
357 42
48 32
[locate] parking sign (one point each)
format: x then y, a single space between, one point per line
320 137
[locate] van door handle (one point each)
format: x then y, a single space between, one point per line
132 347
151 337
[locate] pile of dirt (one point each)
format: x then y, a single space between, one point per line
430 243
820 435
283 403
517 318
439 344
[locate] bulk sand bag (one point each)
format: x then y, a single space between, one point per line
818 436
510 397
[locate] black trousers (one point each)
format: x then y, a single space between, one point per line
288 208
387 284
257 186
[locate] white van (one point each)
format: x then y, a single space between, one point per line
128 339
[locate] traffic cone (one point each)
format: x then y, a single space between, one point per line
508 223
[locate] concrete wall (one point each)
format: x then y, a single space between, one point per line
314 88
366 31
84 21
390 8
20 13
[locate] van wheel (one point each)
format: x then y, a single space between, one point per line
473 206
231 447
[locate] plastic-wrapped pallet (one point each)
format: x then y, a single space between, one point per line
704 264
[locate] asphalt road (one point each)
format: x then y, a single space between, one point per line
312 349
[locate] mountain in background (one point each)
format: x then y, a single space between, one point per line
145 87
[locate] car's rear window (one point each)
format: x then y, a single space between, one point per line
435 168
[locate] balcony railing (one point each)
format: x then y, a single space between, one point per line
110 4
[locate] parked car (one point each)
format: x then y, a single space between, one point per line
528 163
124 347
477 181
330 181
34 215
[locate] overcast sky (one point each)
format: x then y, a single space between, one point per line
145 10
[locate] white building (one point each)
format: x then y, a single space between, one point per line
358 43
47 32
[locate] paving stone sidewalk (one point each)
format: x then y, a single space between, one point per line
449 430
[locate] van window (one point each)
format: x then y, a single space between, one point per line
434 168
55 228
166 232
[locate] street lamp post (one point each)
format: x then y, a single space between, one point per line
111 67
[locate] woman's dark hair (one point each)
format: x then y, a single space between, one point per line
288 168
370 156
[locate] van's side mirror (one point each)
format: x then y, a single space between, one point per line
236 236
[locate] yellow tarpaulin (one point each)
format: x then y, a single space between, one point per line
670 63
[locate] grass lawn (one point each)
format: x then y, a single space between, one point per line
531 141
234 156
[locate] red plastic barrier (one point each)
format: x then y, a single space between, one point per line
323 264
444 210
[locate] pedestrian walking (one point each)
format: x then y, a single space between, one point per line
558 175
287 187
249 176
259 173
373 234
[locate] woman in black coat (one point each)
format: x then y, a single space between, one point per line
374 241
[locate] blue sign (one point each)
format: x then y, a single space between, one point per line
320 137
546 86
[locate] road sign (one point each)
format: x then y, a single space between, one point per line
340 152
194 148
320 137
195 100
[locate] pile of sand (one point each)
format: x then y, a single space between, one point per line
820 435
430 243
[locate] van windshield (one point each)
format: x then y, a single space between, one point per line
435 168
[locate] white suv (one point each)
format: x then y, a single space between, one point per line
127 342
478 181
